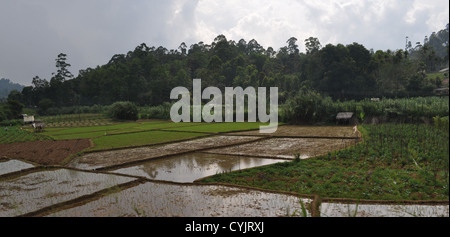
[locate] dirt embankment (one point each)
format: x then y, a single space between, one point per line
43 152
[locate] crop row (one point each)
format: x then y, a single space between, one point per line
403 142
394 162
15 134
314 107
76 120
421 149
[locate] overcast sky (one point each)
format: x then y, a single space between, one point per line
90 32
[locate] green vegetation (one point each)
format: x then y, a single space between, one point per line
140 139
146 75
60 133
155 112
406 160
437 78
310 107
441 123
13 134
6 86
63 133
12 108
395 161
220 127
123 110
76 120
130 134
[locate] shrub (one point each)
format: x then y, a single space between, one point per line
156 112
3 114
44 105
441 123
307 107
14 122
123 110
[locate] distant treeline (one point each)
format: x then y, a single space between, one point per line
146 75
311 108
6 86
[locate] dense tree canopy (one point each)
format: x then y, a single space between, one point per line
146 75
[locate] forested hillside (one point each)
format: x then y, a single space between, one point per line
146 75
7 86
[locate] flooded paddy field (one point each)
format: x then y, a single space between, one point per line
65 192
153 199
161 199
374 210
31 192
9 166
159 180
117 157
190 167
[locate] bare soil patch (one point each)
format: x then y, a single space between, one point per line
287 147
43 152
308 131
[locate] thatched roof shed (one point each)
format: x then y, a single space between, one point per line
344 115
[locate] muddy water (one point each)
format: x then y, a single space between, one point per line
37 190
156 199
110 158
307 131
9 166
152 199
45 188
189 167
287 147
353 210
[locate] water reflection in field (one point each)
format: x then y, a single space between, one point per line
189 167
157 199
48 187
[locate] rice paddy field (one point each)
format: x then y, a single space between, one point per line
87 165
130 134
14 134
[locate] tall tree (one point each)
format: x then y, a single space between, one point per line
292 46
312 45
63 72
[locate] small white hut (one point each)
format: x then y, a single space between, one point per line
28 119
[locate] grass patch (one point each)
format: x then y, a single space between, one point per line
15 134
163 125
220 127
85 135
104 128
140 139
60 133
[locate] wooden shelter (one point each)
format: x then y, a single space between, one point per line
344 117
